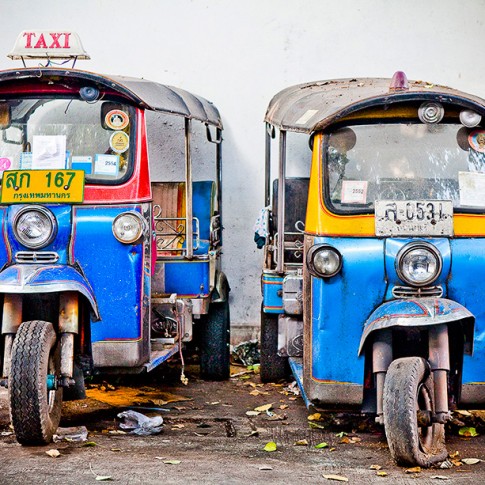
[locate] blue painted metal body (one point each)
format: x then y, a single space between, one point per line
187 278
114 270
110 273
272 286
296 365
465 285
341 305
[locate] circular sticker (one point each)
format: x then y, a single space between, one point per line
5 163
476 139
119 141
116 119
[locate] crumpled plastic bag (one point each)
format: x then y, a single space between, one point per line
137 423
73 434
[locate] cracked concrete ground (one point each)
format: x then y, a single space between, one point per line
212 440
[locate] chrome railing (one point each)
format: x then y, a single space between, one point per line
171 233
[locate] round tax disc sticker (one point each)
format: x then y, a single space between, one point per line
116 119
476 139
119 141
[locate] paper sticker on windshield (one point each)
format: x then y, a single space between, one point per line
119 142
5 163
354 192
82 163
472 189
49 152
26 161
476 139
116 119
106 164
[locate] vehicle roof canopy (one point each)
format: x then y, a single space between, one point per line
144 94
313 106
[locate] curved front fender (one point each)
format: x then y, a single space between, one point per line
417 312
32 278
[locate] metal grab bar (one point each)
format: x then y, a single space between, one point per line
171 233
293 247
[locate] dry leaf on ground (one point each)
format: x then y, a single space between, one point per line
270 446
264 408
338 478
53 453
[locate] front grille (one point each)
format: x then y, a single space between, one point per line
37 257
410 292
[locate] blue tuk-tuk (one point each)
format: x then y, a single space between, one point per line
373 258
111 252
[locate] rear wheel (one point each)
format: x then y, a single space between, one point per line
408 406
35 406
214 343
273 367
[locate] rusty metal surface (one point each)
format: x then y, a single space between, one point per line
145 94
315 105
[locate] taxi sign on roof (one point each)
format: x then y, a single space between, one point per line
51 44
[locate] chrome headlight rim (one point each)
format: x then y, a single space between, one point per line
313 252
404 251
45 212
141 227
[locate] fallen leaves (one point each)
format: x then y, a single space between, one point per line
416 469
315 417
264 408
270 446
468 432
471 461
53 453
321 445
300 443
338 478
253 413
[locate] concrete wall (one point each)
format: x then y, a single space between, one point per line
240 53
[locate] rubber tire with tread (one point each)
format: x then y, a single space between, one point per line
34 356
273 367
214 341
406 378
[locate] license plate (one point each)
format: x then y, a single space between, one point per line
42 186
414 217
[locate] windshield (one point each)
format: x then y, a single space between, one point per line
54 134
365 163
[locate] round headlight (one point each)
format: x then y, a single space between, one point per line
35 227
324 261
128 227
418 264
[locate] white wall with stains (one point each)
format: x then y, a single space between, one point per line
239 53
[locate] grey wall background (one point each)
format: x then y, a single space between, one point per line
239 54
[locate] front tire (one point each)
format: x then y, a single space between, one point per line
214 343
35 411
408 388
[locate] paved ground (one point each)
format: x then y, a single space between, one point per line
212 440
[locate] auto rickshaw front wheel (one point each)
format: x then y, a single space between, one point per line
35 399
214 342
408 407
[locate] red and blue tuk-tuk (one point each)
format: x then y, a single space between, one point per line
110 260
